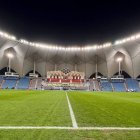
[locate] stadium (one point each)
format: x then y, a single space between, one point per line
112 66
77 92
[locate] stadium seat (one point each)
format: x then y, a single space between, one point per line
106 85
23 83
9 83
119 86
132 84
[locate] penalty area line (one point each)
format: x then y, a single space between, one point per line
68 128
73 119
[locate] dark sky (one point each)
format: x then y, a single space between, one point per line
70 22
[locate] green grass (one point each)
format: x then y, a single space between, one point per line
68 135
106 109
35 108
50 108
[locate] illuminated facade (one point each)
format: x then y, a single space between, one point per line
87 59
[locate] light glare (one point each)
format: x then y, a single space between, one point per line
10 55
119 59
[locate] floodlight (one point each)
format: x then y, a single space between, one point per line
10 55
119 59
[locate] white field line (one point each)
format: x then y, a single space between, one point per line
68 128
74 123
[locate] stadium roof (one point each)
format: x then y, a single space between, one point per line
84 57
71 48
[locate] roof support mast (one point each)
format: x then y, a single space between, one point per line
96 68
34 67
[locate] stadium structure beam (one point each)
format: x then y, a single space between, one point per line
96 75
10 56
119 60
34 67
75 67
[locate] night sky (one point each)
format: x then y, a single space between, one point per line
70 22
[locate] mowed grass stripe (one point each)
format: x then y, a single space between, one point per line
68 135
106 109
35 108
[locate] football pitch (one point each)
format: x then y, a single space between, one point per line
69 115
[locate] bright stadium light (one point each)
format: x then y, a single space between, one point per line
107 44
128 39
119 60
6 35
70 48
10 56
24 41
137 36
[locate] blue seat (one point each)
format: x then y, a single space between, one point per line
132 84
106 86
1 79
9 83
23 83
119 86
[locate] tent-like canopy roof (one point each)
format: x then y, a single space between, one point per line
83 58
